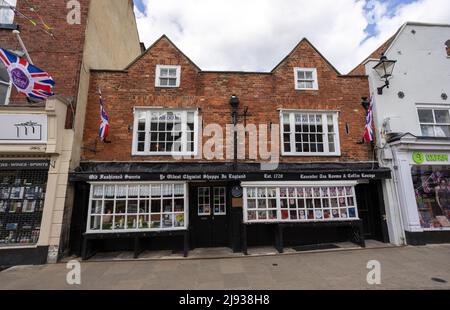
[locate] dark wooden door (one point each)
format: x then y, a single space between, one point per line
371 211
209 212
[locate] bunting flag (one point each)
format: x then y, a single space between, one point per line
104 122
28 79
368 132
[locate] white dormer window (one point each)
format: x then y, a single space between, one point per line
167 76
306 79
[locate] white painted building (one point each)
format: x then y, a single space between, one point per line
412 122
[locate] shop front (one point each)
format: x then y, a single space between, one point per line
424 177
184 209
34 163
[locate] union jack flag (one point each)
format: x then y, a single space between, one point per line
368 132
104 123
27 78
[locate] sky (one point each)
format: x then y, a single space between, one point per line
255 35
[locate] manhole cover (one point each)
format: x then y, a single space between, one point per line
439 280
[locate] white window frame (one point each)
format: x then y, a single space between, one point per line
314 80
433 108
279 185
4 6
147 151
326 152
137 229
224 205
158 76
8 92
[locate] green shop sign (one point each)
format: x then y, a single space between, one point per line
420 158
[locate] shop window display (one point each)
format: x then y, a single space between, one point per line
22 195
432 191
300 203
136 207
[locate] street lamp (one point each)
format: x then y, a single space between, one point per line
384 69
234 103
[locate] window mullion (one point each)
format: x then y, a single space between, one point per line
292 132
184 132
326 146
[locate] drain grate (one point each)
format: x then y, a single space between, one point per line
314 247
439 280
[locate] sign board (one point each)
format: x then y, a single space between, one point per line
24 165
23 128
420 158
232 176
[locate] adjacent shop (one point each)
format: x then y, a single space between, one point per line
35 150
424 176
176 207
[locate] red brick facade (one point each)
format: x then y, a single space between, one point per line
60 56
263 93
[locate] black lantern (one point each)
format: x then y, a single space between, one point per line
365 103
234 102
384 69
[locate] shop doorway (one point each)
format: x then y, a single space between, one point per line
372 212
209 215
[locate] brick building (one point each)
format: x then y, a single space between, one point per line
39 142
161 177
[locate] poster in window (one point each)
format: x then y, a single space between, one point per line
4 192
29 206
3 206
432 191
16 193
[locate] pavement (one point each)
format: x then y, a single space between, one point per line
425 267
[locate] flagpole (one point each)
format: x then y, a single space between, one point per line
17 33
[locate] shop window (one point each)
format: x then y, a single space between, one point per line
5 85
165 132
299 203
219 203
137 207
432 191
168 76
6 13
434 122
306 79
310 133
22 195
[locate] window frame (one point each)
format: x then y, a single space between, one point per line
5 6
434 124
8 92
137 214
324 113
292 184
314 80
148 111
158 76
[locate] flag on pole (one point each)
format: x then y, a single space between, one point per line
368 132
28 79
104 122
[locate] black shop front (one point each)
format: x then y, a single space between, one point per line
179 207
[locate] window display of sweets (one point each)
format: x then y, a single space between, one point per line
137 207
299 203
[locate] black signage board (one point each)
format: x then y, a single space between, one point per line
233 176
24 164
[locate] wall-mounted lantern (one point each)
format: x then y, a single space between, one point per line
384 69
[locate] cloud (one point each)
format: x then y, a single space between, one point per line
254 35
